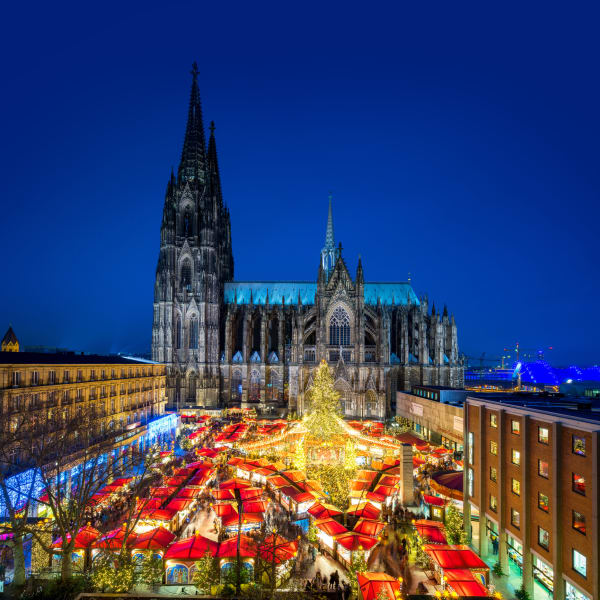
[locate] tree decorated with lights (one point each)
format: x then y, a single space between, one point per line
350 457
206 574
324 420
300 456
453 523
151 572
358 564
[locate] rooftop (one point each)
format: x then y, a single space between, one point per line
67 358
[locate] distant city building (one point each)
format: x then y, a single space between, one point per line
124 396
531 492
229 342
10 343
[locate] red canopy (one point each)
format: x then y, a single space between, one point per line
179 504
175 481
228 548
209 452
113 540
330 526
110 489
233 519
369 527
122 481
431 533
277 549
466 589
155 539
355 541
433 500
409 438
192 548
321 510
162 492
454 557
158 514
418 461
149 503
189 492
84 538
235 484
374 585
365 510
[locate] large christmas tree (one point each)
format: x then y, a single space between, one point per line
324 419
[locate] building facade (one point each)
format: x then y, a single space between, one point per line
228 342
122 395
531 494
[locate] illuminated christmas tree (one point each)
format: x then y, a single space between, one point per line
300 456
324 419
350 456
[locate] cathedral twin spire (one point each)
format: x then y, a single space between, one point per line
194 144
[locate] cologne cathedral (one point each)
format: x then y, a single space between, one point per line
241 343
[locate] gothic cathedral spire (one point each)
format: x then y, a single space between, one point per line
193 154
329 253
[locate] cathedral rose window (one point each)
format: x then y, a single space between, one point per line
339 328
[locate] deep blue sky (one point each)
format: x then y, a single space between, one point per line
460 141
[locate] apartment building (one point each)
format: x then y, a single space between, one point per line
531 496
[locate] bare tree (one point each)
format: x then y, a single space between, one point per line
71 461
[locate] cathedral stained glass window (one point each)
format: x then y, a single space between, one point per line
194 333
339 328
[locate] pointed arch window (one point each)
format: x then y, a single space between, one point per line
186 276
187 224
194 333
178 333
339 328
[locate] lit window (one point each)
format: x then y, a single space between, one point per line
572 593
493 448
543 435
578 522
493 503
579 484
470 481
339 328
493 420
543 468
515 457
515 486
578 445
471 444
543 538
515 427
493 474
515 518
543 502
579 563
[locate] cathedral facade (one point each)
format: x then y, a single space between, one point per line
232 343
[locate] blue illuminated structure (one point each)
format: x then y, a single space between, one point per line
289 292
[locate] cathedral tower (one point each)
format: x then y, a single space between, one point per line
194 261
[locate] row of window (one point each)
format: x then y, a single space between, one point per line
577 443
52 379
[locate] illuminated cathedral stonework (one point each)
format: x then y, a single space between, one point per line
231 343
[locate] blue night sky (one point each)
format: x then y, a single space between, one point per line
460 142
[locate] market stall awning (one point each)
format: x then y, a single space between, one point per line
277 549
365 510
147 503
228 548
158 538
370 527
433 500
448 483
430 531
179 504
175 481
235 484
114 539
355 541
192 548
454 557
374 586
321 510
85 537
162 492
158 514
189 492
330 526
